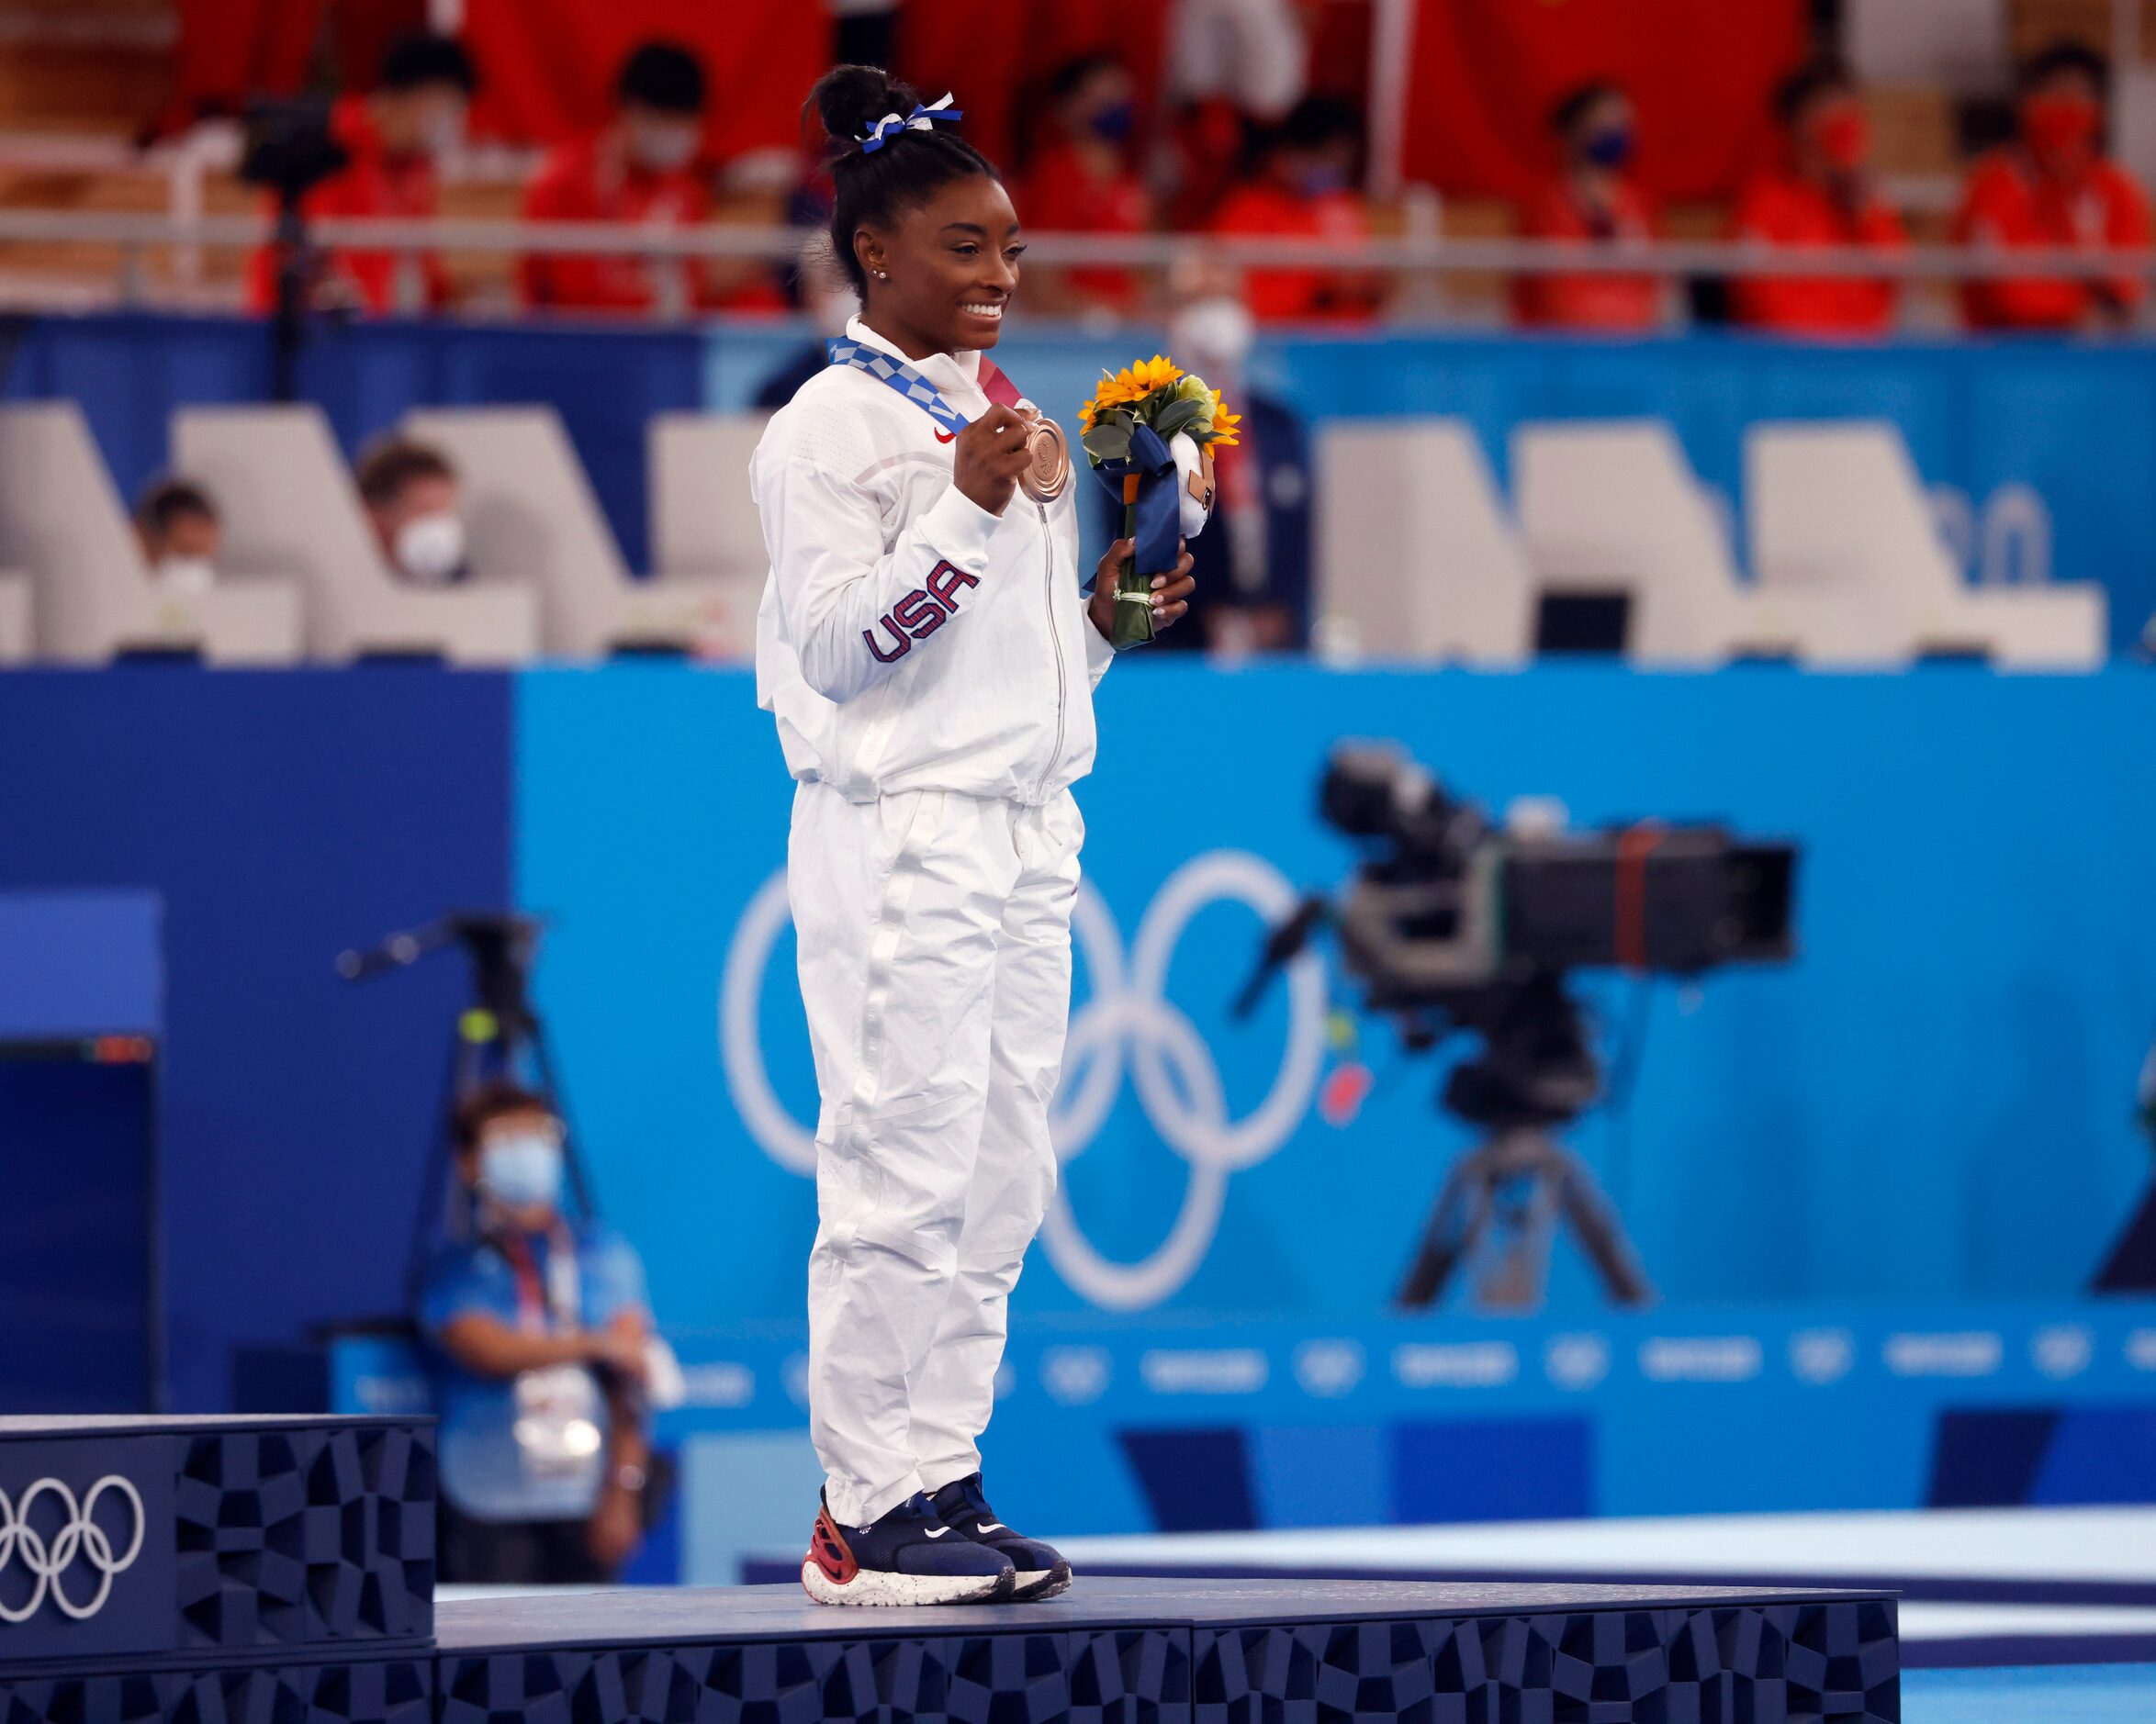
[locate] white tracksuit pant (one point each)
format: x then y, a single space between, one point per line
934 932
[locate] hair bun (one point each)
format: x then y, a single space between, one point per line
851 100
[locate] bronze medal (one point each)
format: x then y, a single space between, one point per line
1047 459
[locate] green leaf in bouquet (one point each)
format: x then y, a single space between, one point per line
1109 440
1177 416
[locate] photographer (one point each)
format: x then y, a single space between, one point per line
539 1329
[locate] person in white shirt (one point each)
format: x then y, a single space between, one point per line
929 654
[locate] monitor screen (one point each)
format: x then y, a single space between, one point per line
77 1230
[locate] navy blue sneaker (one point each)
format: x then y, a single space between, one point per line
1041 1571
906 1557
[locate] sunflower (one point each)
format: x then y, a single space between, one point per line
1128 387
1225 425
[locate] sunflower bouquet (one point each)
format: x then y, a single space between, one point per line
1150 432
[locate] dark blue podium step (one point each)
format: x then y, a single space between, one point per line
273 1570
1181 1651
218 1571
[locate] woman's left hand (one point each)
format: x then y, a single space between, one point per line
1171 592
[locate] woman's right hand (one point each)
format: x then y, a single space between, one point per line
991 455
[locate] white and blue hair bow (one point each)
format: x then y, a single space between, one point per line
922 119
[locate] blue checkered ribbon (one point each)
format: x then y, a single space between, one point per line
897 375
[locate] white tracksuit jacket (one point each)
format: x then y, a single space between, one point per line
931 669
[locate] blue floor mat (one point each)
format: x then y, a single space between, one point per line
2073 1694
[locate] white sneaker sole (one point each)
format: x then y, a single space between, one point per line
1036 1584
877 1587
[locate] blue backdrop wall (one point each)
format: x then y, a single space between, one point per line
1932 1103
2038 449
280 818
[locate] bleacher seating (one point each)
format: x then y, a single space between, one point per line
529 511
1415 552
1840 508
290 505
15 640
61 520
1419 558
703 519
1614 506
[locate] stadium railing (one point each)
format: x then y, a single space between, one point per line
136 236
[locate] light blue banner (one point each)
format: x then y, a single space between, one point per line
1932 1103
1226 1426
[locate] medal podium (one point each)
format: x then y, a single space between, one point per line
280 1570
223 1570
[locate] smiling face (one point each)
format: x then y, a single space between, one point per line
940 276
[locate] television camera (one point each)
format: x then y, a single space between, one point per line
1455 925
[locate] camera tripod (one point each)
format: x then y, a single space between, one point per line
492 1041
1502 1206
1504 1202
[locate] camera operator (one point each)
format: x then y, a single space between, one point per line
539 1333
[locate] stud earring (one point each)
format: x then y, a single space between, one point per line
882 275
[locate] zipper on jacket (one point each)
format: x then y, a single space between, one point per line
1055 634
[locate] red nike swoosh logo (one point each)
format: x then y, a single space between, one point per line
946 437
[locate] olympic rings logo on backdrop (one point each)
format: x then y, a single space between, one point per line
79 1537
1129 1026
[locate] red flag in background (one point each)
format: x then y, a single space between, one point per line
232 50
995 57
547 67
1701 73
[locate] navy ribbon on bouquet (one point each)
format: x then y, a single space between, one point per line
1158 532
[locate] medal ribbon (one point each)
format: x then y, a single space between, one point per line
895 373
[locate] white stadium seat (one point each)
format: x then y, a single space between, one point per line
290 503
703 518
1414 554
1839 508
529 509
62 520
1614 506
15 618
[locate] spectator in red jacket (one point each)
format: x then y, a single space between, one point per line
1305 189
1083 182
1821 196
645 169
2053 188
1594 200
393 139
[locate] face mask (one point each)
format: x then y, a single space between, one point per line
444 133
429 548
1845 139
1112 123
186 574
1216 333
2060 124
664 148
1609 147
522 1172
